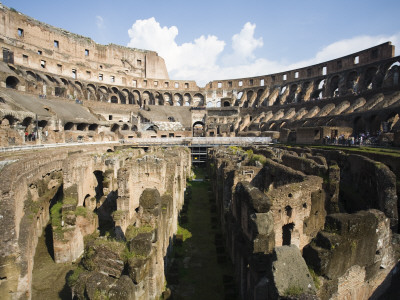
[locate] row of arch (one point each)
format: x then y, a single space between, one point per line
347 83
360 105
104 93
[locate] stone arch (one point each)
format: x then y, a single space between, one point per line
137 98
187 99
168 99
82 126
31 76
369 76
351 81
12 82
198 100
178 99
11 120
91 92
292 97
210 104
68 126
125 127
93 127
148 98
134 128
128 96
51 79
115 127
159 100
103 93
392 75
27 121
114 99
198 129
334 86
42 123
226 103
64 81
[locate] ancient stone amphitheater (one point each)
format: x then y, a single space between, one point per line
98 144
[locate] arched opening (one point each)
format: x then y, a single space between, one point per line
114 128
114 99
68 126
93 127
210 104
369 77
188 99
351 81
198 100
81 126
178 99
27 121
227 103
11 120
12 82
31 76
136 98
198 129
42 123
334 86
287 231
134 128
359 125
125 127
148 98
167 99
159 99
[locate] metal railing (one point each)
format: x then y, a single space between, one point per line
186 141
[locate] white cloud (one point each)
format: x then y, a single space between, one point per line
203 51
99 22
244 44
204 59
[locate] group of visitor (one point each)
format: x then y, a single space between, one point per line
361 139
31 137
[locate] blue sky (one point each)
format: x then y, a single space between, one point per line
208 40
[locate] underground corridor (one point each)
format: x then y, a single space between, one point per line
198 267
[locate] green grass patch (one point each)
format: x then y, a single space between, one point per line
315 278
81 211
73 278
293 291
132 231
186 234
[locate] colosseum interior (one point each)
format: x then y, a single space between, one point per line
117 182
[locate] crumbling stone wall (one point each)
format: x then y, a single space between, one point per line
77 187
293 199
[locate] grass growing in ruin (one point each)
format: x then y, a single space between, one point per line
133 231
186 234
363 149
252 158
315 278
293 291
200 275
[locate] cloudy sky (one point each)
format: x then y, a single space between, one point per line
207 40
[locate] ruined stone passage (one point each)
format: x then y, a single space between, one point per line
305 223
114 211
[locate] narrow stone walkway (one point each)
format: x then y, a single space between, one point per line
199 269
49 279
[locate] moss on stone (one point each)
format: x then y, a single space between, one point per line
132 231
